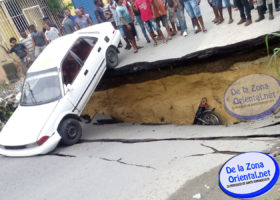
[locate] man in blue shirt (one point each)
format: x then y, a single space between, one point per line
21 51
127 24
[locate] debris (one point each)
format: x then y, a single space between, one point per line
207 187
196 196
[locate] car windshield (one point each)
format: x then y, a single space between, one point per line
41 88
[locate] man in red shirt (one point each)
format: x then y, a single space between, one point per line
148 15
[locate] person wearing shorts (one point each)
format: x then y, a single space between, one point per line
193 10
127 24
174 12
161 15
39 40
147 15
220 9
213 5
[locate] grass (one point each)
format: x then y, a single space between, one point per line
274 56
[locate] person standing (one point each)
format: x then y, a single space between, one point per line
181 18
99 11
244 5
51 33
20 50
113 7
26 40
66 25
213 5
147 15
39 40
68 14
220 9
85 14
261 10
276 4
193 10
139 21
81 20
46 20
161 16
127 24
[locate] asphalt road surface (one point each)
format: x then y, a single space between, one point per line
135 162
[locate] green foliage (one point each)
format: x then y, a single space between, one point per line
58 6
274 56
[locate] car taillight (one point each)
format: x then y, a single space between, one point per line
42 140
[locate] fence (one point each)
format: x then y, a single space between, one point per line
17 15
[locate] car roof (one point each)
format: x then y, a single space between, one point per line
55 51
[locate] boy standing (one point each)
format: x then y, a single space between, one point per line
20 50
39 40
51 33
26 40
127 24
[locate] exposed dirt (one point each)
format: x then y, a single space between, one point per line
173 99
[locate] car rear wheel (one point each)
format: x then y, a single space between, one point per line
70 131
112 59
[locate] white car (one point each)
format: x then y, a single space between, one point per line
56 89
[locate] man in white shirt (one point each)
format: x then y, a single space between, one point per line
51 33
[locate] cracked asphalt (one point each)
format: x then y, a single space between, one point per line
137 162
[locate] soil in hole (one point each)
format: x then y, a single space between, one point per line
175 98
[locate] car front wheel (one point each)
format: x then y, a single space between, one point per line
70 131
112 59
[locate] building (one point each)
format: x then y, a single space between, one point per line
15 16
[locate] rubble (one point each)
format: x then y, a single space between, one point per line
9 100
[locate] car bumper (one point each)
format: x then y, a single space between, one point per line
48 146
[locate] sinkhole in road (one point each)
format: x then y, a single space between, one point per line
170 92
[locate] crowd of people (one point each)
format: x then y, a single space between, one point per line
150 15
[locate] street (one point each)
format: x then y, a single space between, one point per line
216 36
135 162
124 161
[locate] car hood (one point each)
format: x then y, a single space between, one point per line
25 124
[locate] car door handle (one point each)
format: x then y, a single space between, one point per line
99 49
86 72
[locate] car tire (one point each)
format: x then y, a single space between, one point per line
112 59
70 131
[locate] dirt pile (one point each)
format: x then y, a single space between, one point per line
173 99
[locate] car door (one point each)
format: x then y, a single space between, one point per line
79 69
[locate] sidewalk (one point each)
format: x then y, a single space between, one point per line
217 36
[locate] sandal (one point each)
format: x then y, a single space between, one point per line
204 30
169 38
139 47
135 51
197 31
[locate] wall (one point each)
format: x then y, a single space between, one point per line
89 7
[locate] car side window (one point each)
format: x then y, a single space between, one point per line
76 57
83 47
